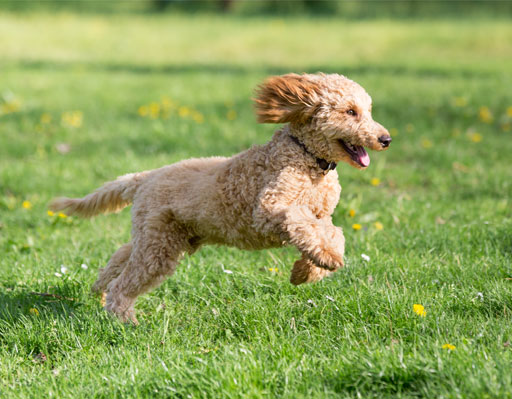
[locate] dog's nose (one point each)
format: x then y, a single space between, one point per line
385 140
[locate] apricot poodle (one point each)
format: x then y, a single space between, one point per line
280 193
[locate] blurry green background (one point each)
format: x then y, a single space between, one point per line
90 90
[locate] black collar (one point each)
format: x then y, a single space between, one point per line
322 163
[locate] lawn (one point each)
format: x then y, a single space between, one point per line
85 98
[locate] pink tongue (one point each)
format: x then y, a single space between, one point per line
364 159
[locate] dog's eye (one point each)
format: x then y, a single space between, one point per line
352 112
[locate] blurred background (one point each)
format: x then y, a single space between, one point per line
90 90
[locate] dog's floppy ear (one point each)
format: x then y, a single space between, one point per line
287 98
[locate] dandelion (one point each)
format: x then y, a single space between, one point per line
365 257
46 118
426 143
34 311
375 181
460 101
72 118
475 137
378 225
62 215
485 115
154 110
50 213
183 112
26 204
273 269
449 347
352 213
356 226
419 310
198 117
231 115
509 111
143 110
10 106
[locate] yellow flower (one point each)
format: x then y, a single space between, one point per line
351 213
26 205
449 347
143 110
460 101
475 137
34 311
426 143
231 115
62 215
356 226
273 269
183 112
50 213
485 114
419 310
509 111
375 181
46 118
154 110
198 117
72 118
378 225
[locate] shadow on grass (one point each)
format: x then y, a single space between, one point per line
393 381
59 301
232 69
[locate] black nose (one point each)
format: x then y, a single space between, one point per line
385 140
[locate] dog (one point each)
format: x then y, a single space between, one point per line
277 194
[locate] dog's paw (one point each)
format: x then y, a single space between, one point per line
305 271
328 260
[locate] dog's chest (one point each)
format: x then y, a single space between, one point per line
321 196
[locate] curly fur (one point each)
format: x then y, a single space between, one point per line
268 196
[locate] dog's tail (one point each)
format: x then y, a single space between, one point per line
111 197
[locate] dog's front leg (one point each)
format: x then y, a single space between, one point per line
318 239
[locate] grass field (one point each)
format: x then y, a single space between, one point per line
87 98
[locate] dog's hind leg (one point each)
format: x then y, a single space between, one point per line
157 249
114 267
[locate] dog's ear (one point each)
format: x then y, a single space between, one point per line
287 98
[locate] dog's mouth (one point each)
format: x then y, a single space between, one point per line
356 152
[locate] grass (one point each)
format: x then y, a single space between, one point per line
443 198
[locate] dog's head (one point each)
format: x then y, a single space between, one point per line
330 114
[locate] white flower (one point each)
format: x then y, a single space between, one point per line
365 257
227 271
63 269
480 296
84 266
330 298
58 275
310 301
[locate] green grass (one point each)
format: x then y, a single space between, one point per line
444 201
